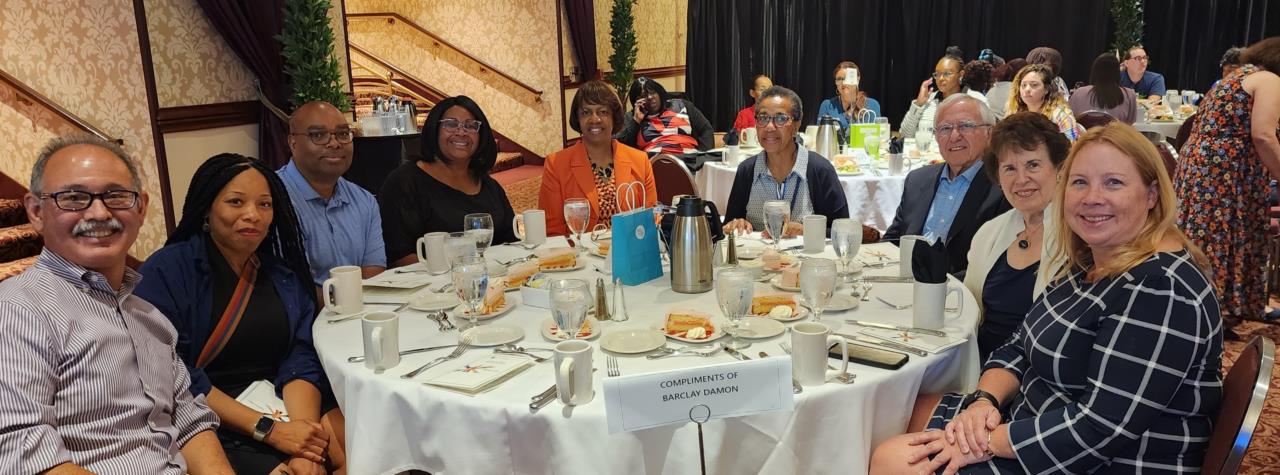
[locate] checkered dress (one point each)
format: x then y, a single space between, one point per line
1118 376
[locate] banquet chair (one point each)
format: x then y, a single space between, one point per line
1244 391
1169 155
1184 132
1094 118
672 177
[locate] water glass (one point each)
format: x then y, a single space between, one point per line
817 284
458 246
846 238
471 282
924 140
776 215
735 287
577 213
871 144
885 130
570 299
480 227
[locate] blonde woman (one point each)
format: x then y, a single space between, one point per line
1116 367
1036 93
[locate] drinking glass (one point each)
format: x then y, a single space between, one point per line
924 140
459 245
570 299
885 130
776 215
817 284
871 144
480 227
471 281
577 213
846 238
735 288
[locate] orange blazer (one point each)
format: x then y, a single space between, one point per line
567 174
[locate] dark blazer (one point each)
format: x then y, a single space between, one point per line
982 202
825 191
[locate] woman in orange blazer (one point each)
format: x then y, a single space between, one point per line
593 167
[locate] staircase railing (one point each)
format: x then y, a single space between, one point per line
29 96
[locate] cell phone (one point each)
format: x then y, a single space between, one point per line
933 85
871 356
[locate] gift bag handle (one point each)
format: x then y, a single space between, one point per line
627 194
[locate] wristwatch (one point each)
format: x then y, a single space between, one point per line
976 395
263 427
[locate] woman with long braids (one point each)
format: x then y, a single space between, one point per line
234 280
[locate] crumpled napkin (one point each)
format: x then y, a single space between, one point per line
929 262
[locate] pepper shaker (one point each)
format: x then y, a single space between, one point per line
602 301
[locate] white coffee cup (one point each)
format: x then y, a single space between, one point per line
534 225
809 343
343 290
573 372
381 340
895 164
749 138
815 233
905 245
928 303
731 154
431 251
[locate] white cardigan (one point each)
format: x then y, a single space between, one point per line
994 237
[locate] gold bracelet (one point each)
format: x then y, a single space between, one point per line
990 453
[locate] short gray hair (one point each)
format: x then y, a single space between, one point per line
797 108
984 110
59 143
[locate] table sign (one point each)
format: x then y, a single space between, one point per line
727 390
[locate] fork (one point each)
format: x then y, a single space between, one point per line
518 259
612 363
443 288
448 325
508 351
866 292
907 306
463 346
668 352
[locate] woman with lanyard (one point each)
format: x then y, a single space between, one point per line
784 171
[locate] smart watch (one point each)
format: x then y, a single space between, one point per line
263 427
979 394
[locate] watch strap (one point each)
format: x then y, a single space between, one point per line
263 427
980 394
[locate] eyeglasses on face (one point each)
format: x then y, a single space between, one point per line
1139 58
965 128
780 120
451 125
322 137
75 200
943 75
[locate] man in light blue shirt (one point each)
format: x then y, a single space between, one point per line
946 201
341 223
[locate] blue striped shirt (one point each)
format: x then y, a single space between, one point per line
344 230
88 375
947 200
794 189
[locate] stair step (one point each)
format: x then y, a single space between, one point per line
18 242
12 268
12 212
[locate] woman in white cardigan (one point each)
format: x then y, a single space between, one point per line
1009 259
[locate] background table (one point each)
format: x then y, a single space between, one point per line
1167 128
395 425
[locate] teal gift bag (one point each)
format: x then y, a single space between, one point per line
635 254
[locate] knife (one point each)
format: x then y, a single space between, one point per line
737 354
357 359
888 278
539 396
887 344
541 403
886 326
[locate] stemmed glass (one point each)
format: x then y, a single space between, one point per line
479 226
817 284
459 245
885 130
871 144
846 238
577 213
569 301
776 215
471 281
735 288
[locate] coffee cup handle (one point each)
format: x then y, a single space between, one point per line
844 353
517 223
376 358
564 385
422 249
959 300
327 289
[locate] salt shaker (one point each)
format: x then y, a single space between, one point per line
602 301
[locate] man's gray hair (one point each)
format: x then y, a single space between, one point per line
984 110
59 143
797 108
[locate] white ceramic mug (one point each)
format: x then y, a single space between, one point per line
895 164
381 340
731 153
431 251
906 244
573 372
815 233
928 304
809 343
749 138
534 225
343 291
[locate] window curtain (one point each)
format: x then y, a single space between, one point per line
582 34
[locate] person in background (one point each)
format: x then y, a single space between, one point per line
850 104
1104 92
1223 179
1229 63
236 261
1134 75
946 81
747 116
660 124
977 76
999 92
89 380
990 57
594 167
340 221
1053 59
1037 94
449 180
784 171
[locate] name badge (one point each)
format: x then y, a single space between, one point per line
727 390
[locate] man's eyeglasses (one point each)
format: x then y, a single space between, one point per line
75 200
322 137
468 125
1139 58
780 120
965 128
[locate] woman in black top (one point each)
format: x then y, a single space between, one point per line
449 180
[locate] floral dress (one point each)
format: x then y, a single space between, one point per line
1222 186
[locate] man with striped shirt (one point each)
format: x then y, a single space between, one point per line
89 381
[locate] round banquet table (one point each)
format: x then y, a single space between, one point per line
1167 128
393 425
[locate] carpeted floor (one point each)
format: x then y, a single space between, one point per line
1263 456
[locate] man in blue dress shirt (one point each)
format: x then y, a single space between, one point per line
340 221
1134 75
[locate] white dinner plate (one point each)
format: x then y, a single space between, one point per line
838 303
492 335
776 281
431 301
513 300
632 340
550 332
760 327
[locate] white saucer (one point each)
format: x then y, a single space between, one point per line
632 340
761 327
431 301
460 310
777 284
492 335
838 303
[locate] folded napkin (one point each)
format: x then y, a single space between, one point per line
895 145
483 374
929 262
929 343
261 396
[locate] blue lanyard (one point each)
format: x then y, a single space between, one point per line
782 192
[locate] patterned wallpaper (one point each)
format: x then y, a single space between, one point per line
85 55
661 27
193 64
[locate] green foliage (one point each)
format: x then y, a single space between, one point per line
1127 16
622 35
306 41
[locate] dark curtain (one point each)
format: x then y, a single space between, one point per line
582 33
897 42
249 28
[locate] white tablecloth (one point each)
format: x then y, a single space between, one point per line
1169 129
395 425
873 200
